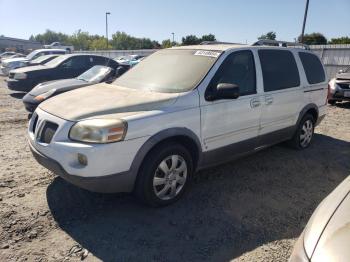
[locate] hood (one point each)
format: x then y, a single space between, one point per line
314 230
13 60
335 240
104 99
62 85
27 69
343 76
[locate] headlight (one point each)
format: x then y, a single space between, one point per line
332 84
98 130
19 76
45 95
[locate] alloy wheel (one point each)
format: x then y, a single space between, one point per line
306 133
170 177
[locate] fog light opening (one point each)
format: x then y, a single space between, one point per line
82 159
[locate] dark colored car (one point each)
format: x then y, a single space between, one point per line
339 87
62 67
43 91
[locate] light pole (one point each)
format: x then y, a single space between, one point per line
173 39
305 16
107 13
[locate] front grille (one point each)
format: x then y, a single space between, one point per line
35 122
47 132
344 85
11 75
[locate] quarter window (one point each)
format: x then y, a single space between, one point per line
279 69
312 67
239 69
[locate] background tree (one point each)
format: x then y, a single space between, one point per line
314 39
50 36
268 36
209 37
340 40
166 43
191 40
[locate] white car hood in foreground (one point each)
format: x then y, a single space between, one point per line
334 244
327 234
105 99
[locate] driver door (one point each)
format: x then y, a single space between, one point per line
231 126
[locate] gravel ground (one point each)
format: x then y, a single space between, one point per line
252 209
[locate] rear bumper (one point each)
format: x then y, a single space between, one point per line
120 182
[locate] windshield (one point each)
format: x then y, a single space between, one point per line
346 70
170 71
31 55
56 61
95 74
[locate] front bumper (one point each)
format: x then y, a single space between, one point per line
19 85
30 103
109 167
119 182
339 94
299 253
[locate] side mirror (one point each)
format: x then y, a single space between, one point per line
341 71
223 91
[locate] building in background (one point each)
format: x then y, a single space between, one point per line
18 45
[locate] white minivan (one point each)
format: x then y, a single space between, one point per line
178 111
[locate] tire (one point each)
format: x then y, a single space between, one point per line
160 182
332 102
304 133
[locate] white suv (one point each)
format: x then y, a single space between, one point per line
182 109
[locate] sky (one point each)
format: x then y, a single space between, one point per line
239 21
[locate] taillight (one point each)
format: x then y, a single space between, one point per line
328 93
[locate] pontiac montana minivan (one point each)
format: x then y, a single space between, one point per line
182 109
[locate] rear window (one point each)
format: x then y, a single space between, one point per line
312 67
279 69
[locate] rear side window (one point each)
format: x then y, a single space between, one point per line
279 69
312 67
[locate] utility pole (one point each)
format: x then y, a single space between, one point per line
107 13
173 39
305 16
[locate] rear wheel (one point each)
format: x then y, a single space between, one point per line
304 133
164 175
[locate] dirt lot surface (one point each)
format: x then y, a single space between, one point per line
252 209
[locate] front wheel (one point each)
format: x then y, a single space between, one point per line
164 175
304 133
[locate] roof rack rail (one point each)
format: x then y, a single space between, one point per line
280 43
218 43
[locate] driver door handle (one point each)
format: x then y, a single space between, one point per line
268 100
255 102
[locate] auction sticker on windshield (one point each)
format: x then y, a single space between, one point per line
207 53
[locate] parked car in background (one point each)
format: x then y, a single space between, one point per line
43 91
41 60
130 60
326 236
16 55
68 48
180 110
10 64
339 87
6 55
62 67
